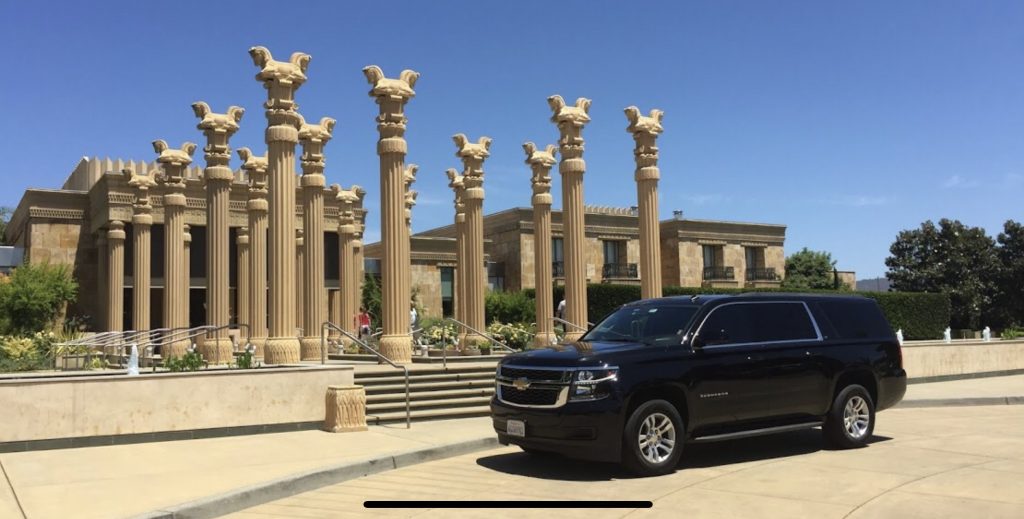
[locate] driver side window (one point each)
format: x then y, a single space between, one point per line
730 324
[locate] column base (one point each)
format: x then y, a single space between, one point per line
217 351
259 343
176 349
311 348
544 339
398 348
572 335
345 409
282 350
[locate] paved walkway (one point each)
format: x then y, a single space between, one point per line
124 480
927 463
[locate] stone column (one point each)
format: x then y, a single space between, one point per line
473 156
300 261
142 224
645 132
256 169
347 280
313 137
540 162
115 275
455 182
186 301
242 293
281 79
409 201
391 96
334 310
356 294
102 251
218 129
176 271
570 121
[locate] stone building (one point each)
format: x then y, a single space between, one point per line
694 253
69 226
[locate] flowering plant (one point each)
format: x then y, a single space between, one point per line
516 335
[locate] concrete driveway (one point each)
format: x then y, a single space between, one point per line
927 463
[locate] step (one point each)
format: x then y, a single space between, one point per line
417 378
419 405
430 395
428 386
435 414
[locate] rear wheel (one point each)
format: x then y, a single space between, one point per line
652 441
851 421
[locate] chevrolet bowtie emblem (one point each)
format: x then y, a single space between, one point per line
521 384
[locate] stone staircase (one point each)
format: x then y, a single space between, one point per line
435 393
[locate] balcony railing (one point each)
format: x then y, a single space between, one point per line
558 269
619 270
762 274
719 273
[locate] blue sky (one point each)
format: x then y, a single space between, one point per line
845 121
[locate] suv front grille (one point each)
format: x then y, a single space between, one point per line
534 397
533 375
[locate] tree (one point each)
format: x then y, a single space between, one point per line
5 218
1009 307
809 269
371 299
33 296
952 258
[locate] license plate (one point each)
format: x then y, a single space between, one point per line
515 428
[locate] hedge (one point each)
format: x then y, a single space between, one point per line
920 315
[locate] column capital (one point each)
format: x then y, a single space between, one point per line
115 231
348 199
540 162
242 238
217 128
391 96
408 178
281 79
173 162
645 130
473 155
255 167
188 234
313 137
142 207
458 187
570 121
300 238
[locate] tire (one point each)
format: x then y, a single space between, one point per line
851 420
659 422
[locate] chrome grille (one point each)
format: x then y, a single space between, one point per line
529 386
533 375
534 397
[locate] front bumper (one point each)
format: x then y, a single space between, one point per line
585 430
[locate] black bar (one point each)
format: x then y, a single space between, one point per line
507 504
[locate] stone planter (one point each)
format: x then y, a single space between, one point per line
471 352
435 353
485 350
72 362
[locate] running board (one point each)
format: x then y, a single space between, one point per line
757 432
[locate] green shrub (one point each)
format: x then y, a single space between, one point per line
371 300
33 296
509 307
191 361
1012 333
21 354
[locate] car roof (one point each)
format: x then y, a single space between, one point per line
702 299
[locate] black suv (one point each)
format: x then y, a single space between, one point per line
656 373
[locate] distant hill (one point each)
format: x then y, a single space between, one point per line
880 284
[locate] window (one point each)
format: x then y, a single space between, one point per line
557 250
856 319
447 291
755 257
713 256
740 323
648 324
613 253
496 276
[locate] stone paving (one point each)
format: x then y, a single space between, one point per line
938 462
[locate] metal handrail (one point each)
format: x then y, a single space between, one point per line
574 325
323 354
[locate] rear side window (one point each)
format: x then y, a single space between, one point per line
757 322
856 319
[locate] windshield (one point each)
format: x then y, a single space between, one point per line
649 324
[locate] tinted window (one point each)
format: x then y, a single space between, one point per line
757 322
649 324
856 319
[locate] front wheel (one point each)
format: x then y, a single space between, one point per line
652 441
851 421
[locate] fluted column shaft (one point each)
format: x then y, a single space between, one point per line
540 162
281 79
218 129
115 276
645 132
257 208
570 121
142 248
175 258
313 138
460 267
391 96
473 156
242 294
300 262
186 290
102 251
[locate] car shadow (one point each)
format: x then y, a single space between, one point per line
695 455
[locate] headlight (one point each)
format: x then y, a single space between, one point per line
592 384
